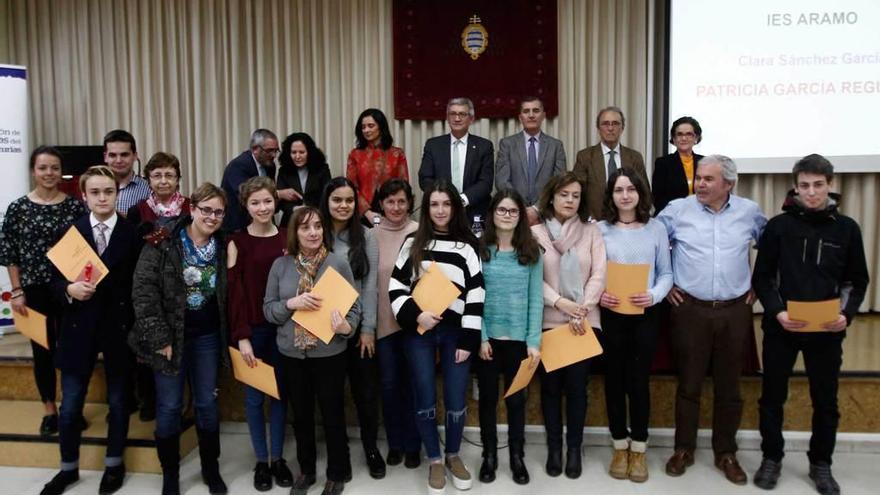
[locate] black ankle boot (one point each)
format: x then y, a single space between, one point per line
554 461
573 463
490 464
209 454
168 450
518 465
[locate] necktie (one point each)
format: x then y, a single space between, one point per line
612 165
101 237
457 175
533 170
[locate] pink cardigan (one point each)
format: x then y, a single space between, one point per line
591 256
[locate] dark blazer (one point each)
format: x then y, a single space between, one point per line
590 165
240 169
288 177
102 323
512 166
668 181
479 170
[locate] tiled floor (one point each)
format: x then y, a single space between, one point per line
857 474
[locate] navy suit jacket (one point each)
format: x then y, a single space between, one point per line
479 170
101 323
240 169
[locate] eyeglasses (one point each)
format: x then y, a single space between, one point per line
610 123
503 212
459 115
169 176
690 135
271 151
211 212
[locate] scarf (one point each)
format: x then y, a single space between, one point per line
172 209
307 268
564 237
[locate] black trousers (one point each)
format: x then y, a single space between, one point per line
823 355
363 377
570 382
506 356
628 342
322 379
39 298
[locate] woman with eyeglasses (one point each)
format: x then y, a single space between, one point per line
513 270
574 278
180 330
673 176
304 173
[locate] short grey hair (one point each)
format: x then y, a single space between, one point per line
612 108
260 135
461 100
728 166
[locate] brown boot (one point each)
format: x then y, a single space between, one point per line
679 462
638 467
728 464
619 464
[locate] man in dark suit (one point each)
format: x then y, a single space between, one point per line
258 160
527 160
595 163
465 160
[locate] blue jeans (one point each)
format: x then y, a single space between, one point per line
73 395
397 400
420 353
201 357
266 348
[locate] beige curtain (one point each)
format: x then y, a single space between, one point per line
194 77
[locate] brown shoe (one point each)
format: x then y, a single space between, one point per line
679 462
436 478
638 467
619 464
732 471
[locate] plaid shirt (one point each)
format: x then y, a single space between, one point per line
133 192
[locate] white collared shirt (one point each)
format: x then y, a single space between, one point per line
462 157
110 223
606 155
261 170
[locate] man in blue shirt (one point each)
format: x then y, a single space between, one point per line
710 234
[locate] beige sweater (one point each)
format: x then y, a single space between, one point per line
389 237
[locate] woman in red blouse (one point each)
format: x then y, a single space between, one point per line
374 160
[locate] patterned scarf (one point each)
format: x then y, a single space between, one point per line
172 209
307 268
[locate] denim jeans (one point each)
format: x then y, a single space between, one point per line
397 399
265 347
73 395
420 353
201 357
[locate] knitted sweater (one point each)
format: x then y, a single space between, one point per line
390 237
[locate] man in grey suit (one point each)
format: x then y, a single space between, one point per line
594 164
527 160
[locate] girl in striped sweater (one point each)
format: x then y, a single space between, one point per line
443 238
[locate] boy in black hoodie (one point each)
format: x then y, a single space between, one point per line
810 252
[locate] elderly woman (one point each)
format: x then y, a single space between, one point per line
674 173
165 203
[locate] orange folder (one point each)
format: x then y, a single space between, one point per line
624 280
814 313
560 347
336 293
261 376
434 292
76 259
523 377
32 326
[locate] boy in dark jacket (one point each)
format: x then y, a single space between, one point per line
810 252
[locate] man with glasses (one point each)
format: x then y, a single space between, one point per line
466 160
595 164
120 153
527 159
258 160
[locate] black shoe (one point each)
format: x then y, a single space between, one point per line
518 468
348 473
333 487
412 460
168 450
49 426
83 424
394 457
262 477
301 484
209 453
768 474
573 464
375 464
820 473
60 482
112 479
554 462
282 474
487 469
147 413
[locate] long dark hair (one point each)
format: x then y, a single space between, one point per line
458 228
385 139
315 159
643 208
526 247
357 245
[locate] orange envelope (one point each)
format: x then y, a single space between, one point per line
434 292
814 313
261 376
32 326
336 293
624 280
523 377
560 347
76 259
